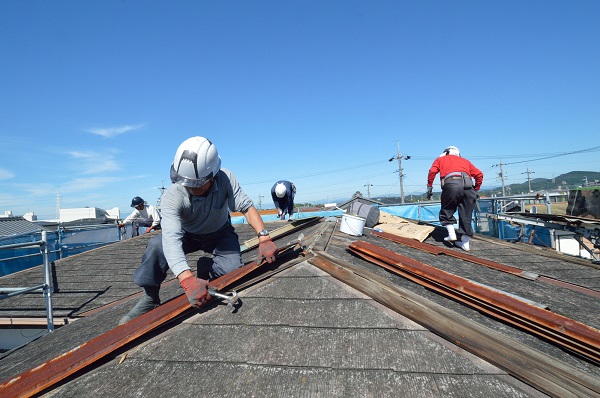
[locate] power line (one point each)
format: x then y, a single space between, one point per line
592 149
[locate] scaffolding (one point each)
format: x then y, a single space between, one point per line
46 288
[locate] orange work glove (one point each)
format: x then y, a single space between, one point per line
266 250
149 229
196 291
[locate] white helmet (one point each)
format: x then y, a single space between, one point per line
280 190
452 150
196 162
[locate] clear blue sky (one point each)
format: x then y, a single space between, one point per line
96 96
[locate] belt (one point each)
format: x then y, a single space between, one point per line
452 178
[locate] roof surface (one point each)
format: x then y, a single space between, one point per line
300 332
10 226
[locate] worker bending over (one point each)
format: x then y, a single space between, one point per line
195 216
283 193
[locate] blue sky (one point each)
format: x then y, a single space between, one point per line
96 96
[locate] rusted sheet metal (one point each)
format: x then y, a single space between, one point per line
43 376
539 370
441 250
570 286
564 331
289 228
487 263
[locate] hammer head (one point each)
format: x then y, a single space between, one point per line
231 298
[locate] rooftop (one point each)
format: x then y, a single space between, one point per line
323 321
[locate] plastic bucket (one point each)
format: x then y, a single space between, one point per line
352 225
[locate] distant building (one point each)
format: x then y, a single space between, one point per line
89 214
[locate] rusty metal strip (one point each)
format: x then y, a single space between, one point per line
281 231
570 286
467 299
537 369
442 250
43 376
487 263
564 331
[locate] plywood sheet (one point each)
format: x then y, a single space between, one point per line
402 227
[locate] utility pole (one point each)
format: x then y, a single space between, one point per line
501 175
528 179
162 190
399 157
368 189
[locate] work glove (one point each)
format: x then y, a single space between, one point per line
196 291
429 193
279 212
149 229
266 250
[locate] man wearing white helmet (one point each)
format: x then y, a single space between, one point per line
458 192
196 216
283 193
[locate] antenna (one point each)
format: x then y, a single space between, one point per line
260 201
57 205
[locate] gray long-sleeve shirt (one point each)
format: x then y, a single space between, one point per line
182 212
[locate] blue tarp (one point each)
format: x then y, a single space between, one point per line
427 213
300 215
72 241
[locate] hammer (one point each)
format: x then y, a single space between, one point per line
231 298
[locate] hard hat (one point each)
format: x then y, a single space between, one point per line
452 150
196 161
137 201
280 190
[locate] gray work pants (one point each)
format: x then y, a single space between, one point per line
223 244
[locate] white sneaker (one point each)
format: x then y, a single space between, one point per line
451 234
464 243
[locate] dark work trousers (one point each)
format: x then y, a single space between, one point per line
223 244
140 222
455 196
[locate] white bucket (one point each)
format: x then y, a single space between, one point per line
352 225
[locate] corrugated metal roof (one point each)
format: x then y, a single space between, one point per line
10 226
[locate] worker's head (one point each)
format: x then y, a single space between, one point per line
451 150
280 190
196 163
137 202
